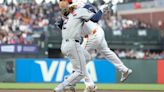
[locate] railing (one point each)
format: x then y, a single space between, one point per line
141 5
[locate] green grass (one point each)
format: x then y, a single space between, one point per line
81 86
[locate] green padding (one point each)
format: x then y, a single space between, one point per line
7 70
144 71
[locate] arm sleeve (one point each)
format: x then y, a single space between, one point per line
97 16
90 7
88 15
85 14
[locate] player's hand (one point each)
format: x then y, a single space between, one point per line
106 7
110 5
103 8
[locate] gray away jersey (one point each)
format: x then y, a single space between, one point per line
73 26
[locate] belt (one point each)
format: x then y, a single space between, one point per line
67 40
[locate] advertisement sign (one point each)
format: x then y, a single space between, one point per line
7 70
18 49
160 71
54 70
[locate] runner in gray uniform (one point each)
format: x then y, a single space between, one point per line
71 36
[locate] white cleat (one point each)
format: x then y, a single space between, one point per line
124 76
69 89
90 88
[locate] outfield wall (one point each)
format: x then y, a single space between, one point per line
144 71
54 70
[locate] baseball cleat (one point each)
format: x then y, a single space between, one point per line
90 89
72 89
124 76
69 89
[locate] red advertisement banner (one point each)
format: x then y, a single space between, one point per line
160 72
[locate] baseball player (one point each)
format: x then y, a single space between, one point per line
71 36
94 40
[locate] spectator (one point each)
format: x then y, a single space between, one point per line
27 19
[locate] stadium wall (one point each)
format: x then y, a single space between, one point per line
144 71
7 70
54 70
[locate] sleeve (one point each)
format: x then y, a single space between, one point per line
85 14
90 7
97 16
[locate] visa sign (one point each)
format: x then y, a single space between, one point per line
60 67
49 70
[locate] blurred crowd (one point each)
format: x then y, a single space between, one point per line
117 23
137 54
22 23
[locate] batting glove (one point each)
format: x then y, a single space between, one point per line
103 8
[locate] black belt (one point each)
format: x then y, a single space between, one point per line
75 40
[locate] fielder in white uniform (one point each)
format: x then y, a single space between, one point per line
94 40
71 36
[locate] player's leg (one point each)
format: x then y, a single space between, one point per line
75 52
87 55
89 83
89 46
114 59
88 80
